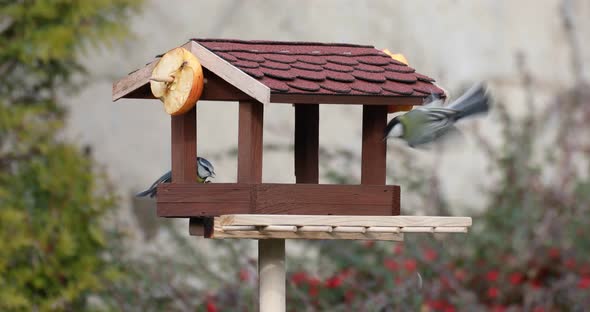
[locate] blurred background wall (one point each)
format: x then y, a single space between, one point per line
458 42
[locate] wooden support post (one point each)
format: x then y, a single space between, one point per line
307 123
373 167
251 116
184 147
271 271
374 153
184 154
271 253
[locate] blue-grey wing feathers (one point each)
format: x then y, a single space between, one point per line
151 191
475 101
204 170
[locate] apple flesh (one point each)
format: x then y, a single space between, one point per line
177 80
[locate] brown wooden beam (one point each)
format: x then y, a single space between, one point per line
307 122
345 99
215 89
184 147
214 199
251 115
374 150
220 90
184 153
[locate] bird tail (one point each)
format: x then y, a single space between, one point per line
475 101
151 192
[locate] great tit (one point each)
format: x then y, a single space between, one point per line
205 170
431 121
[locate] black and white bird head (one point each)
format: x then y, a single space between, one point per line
394 129
205 168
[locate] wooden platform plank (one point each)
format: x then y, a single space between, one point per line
218 233
366 221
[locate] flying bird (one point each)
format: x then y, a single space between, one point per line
430 122
205 170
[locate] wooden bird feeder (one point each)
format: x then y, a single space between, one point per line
259 73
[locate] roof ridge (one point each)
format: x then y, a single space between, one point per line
270 42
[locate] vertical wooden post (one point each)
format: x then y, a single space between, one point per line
374 150
184 154
251 116
271 253
307 124
184 147
374 147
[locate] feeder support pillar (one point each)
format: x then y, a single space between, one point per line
271 271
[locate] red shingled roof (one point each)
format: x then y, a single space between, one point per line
321 68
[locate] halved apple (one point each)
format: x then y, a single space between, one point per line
398 56
397 108
177 80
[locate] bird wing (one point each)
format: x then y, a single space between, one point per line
435 122
439 120
165 178
433 100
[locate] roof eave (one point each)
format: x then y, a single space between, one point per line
132 83
345 99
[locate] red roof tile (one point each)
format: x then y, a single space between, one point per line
322 68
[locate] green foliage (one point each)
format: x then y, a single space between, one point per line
51 200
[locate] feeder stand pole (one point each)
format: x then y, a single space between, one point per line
271 252
271 271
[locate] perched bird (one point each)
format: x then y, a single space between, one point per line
205 170
431 121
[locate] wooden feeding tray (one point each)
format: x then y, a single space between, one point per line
261 73
332 227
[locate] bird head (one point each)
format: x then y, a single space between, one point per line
395 128
205 168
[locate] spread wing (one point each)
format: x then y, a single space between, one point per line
436 122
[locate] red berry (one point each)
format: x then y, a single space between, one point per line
584 282
515 278
498 308
211 306
536 284
390 264
430 254
492 276
570 263
349 295
460 274
314 281
410 265
244 275
299 277
554 252
334 282
493 292
313 291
